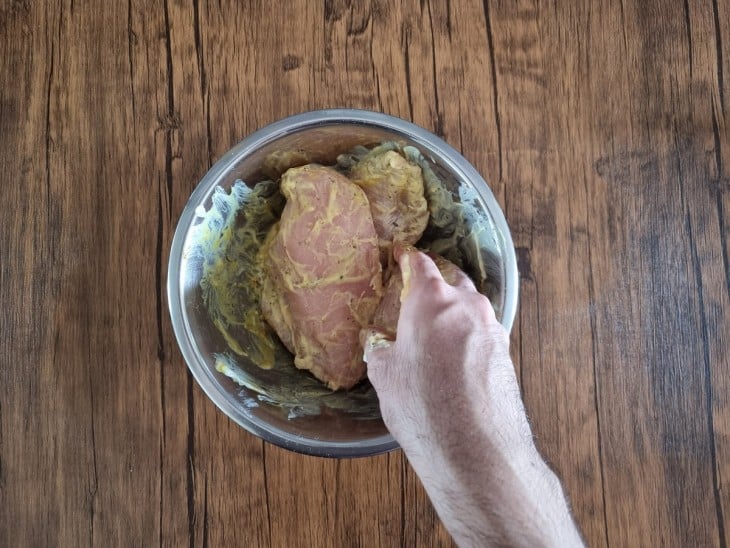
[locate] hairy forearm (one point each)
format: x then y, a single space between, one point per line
489 498
449 394
479 463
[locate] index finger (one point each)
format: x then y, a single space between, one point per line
416 268
451 273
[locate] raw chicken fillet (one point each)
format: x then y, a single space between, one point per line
394 188
323 274
386 315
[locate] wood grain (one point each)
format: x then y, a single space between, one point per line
603 129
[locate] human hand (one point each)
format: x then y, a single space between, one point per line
449 370
449 395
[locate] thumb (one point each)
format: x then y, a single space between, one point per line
376 346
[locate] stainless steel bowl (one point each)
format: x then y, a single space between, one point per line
322 135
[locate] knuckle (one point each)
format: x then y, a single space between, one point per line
434 287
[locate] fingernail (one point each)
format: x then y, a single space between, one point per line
399 249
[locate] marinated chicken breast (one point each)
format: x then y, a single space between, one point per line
323 274
394 188
386 315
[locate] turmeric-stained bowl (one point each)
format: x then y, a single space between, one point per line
283 405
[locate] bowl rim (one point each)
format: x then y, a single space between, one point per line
292 124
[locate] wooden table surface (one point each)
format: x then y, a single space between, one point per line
603 129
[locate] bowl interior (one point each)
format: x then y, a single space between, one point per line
349 424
